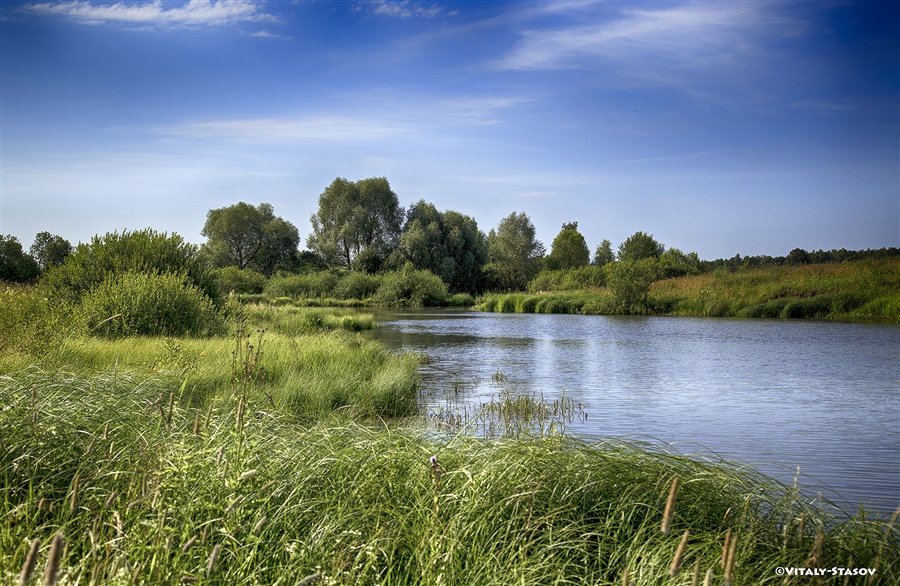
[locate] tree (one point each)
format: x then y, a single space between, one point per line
798 256
355 216
250 238
640 245
15 265
569 250
629 282
449 244
604 254
49 250
514 253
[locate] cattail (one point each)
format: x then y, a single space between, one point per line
208 416
267 486
189 544
30 561
311 579
171 407
725 549
204 534
111 499
729 565
259 524
213 558
189 579
670 506
220 455
246 475
106 430
801 528
90 446
679 554
695 581
708 580
74 492
625 580
41 504
51 571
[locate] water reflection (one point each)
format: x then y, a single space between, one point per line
776 394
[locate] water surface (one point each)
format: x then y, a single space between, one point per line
772 393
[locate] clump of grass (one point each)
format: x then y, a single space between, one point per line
358 504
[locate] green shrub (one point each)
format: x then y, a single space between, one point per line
29 324
527 304
587 277
629 282
145 251
146 304
772 308
357 285
235 280
318 284
411 287
461 300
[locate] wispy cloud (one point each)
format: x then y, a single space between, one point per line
687 36
290 130
404 9
191 13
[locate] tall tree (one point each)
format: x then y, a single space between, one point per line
354 218
514 252
15 265
640 245
449 244
49 250
604 253
250 237
569 250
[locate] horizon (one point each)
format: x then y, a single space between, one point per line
719 128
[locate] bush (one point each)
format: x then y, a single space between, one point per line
114 254
356 285
29 324
242 281
146 304
411 287
588 277
318 284
461 300
629 281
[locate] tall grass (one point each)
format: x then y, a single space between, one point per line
148 491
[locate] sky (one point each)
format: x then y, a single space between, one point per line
722 128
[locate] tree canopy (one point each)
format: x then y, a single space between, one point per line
604 253
514 253
250 237
49 250
569 249
356 218
15 265
639 246
449 244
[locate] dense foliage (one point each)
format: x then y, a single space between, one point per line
49 250
514 253
250 237
569 249
15 265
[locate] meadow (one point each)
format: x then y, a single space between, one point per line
287 449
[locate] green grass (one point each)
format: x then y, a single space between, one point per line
145 491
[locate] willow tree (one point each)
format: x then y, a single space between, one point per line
358 223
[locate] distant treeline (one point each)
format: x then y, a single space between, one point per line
798 256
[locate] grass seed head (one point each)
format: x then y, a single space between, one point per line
51 570
670 506
30 562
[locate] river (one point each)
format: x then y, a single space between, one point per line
774 394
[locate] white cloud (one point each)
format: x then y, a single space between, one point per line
192 13
648 42
404 9
268 130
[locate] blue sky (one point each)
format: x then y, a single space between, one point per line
720 127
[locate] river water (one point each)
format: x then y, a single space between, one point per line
774 394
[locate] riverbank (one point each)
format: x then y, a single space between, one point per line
854 291
150 491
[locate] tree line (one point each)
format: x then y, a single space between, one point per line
361 227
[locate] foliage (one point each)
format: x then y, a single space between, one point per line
235 280
738 262
639 246
569 250
30 325
15 265
146 251
49 250
514 253
448 244
357 285
604 254
411 287
629 282
586 277
148 304
354 216
250 237
317 284
798 256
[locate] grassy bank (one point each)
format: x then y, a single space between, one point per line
143 491
863 290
